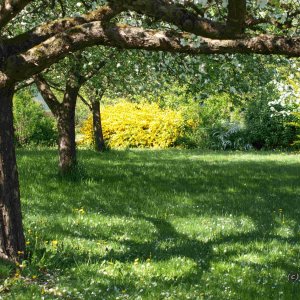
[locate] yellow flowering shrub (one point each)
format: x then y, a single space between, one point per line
143 125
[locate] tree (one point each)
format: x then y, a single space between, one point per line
95 97
173 27
125 73
74 69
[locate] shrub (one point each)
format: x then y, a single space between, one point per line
258 122
265 128
221 124
139 125
32 124
217 109
228 136
295 125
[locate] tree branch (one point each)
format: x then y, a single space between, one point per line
236 15
25 84
98 67
93 72
85 102
56 87
42 56
27 40
9 9
178 15
46 93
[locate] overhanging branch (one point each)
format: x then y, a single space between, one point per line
179 16
34 37
42 56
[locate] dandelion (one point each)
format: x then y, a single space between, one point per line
23 265
80 210
54 243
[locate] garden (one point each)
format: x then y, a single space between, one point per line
149 149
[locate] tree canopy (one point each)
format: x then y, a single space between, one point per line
198 27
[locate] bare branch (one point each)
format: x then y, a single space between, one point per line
85 102
46 93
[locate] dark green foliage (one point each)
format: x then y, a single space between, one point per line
227 136
221 125
251 122
265 128
295 124
32 124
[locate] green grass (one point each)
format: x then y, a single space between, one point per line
159 225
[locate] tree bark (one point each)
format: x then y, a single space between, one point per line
12 242
64 113
97 127
66 130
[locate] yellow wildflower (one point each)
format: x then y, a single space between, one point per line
54 243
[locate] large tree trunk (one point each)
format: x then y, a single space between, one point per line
97 127
66 130
12 242
66 141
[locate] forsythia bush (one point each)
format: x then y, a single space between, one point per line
138 125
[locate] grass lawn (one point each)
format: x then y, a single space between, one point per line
159 225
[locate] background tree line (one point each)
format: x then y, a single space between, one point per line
225 102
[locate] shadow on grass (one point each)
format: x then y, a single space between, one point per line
124 183
160 188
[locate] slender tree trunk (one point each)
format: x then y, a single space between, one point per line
66 131
12 242
97 127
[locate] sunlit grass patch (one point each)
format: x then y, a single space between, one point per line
159 225
207 228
